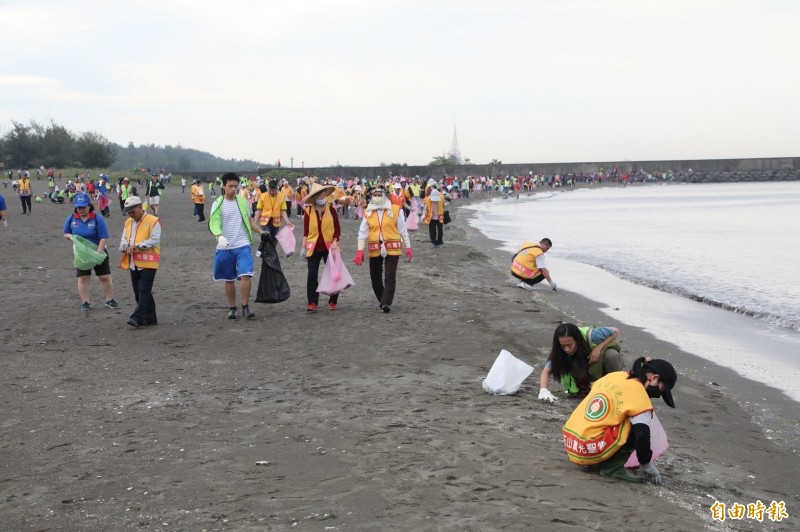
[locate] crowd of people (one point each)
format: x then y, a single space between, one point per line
614 417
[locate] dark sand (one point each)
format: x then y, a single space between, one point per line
366 421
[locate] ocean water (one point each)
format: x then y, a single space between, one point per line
709 268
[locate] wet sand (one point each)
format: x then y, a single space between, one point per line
340 420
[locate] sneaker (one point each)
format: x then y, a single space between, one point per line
385 308
331 306
246 312
112 304
312 307
524 285
133 323
232 313
85 306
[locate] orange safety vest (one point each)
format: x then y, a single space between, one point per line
286 190
384 226
429 209
196 196
524 263
313 233
271 207
143 259
24 187
397 200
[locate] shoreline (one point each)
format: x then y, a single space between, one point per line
365 420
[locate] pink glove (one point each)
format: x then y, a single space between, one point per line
409 255
359 258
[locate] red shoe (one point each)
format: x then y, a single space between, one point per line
312 307
331 306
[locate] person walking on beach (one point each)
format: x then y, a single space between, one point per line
154 186
230 223
183 185
125 192
580 356
528 264
25 193
614 420
320 235
199 200
271 209
382 230
140 246
434 216
84 223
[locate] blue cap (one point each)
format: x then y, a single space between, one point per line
81 200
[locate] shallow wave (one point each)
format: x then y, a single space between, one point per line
774 319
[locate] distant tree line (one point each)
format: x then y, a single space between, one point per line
54 146
32 145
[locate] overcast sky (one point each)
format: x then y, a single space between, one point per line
359 82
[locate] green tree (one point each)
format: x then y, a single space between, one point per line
441 160
95 151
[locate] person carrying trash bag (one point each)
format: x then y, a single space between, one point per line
614 420
321 234
272 284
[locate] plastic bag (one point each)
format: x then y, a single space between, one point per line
506 375
272 284
86 254
359 212
412 223
335 277
658 442
286 239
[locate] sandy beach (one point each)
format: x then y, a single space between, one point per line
340 420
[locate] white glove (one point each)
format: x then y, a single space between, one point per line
553 285
222 242
545 395
649 472
142 246
5 223
123 247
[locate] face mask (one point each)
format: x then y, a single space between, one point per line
322 201
653 392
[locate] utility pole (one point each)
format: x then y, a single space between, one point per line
291 162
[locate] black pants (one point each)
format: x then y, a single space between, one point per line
536 280
436 230
26 204
145 311
383 274
313 273
198 211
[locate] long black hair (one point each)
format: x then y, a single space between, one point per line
91 209
563 363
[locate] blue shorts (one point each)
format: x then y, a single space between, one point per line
231 264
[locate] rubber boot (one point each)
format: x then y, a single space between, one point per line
614 468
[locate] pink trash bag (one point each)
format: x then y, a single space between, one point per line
412 223
335 277
658 442
359 212
286 240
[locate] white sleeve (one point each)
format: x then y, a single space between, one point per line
643 418
540 262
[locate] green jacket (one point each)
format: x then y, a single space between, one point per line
215 218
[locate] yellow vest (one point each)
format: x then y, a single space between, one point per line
387 226
601 424
147 259
271 207
429 209
524 263
125 191
313 233
286 190
196 196
24 187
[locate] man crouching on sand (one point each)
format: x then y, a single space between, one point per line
614 420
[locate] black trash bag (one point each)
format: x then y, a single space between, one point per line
272 285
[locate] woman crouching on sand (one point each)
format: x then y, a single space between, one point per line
580 356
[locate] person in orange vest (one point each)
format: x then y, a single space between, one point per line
434 216
321 234
528 264
271 210
141 251
25 193
199 200
288 193
383 232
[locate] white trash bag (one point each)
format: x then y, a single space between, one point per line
506 375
